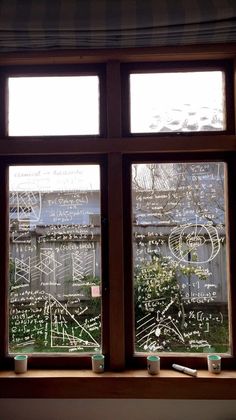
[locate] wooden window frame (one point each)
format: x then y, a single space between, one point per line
57 360
117 147
57 71
167 67
197 360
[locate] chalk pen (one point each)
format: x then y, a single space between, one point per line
183 369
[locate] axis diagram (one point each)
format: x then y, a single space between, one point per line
200 240
66 331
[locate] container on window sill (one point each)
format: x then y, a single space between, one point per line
20 363
98 361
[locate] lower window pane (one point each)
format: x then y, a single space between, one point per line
55 259
179 257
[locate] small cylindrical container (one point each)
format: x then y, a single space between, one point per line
214 363
20 363
153 365
98 361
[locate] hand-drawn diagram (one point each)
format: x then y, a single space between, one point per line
45 322
27 205
66 331
83 264
161 330
193 238
48 263
21 237
152 332
48 266
22 270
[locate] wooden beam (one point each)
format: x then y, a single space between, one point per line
130 384
113 99
166 53
4 252
78 146
116 269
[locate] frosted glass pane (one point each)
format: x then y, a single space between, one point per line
177 102
55 259
53 105
179 257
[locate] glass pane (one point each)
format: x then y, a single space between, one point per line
53 105
177 102
55 259
179 257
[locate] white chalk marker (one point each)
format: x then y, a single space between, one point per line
183 369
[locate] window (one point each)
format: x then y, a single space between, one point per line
177 102
176 98
55 259
118 213
179 257
53 105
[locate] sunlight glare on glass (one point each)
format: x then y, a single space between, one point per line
53 105
54 178
187 101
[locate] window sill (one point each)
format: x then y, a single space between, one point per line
129 384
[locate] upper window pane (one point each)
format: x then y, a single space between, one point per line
55 259
177 102
53 106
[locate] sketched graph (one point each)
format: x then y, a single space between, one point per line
83 264
21 237
151 331
22 270
66 331
194 238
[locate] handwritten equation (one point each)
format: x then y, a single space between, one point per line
179 254
55 253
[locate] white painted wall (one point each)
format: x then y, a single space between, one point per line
42 409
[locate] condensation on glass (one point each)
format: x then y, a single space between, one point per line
179 257
55 259
177 102
53 106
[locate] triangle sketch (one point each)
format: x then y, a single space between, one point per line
66 331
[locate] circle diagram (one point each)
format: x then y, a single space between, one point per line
199 240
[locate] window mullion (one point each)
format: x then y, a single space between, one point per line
115 220
116 271
3 105
113 99
231 263
4 259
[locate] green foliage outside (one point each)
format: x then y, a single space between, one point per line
31 324
160 298
158 294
